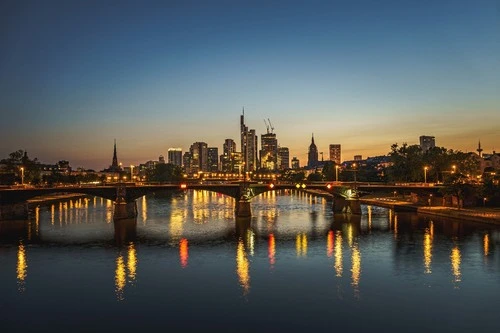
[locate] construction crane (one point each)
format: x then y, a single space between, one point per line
267 126
270 125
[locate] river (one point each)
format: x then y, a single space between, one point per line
186 264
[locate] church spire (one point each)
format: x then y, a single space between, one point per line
479 149
312 140
114 164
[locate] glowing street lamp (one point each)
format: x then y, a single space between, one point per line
425 174
454 167
131 171
336 173
22 175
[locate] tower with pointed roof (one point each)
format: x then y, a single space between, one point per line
114 164
479 149
312 156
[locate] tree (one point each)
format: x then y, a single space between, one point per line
19 159
165 172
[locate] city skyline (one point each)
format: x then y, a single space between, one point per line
77 75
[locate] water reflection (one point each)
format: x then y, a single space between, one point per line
22 267
122 268
355 268
271 250
486 244
183 252
243 267
456 260
428 236
301 244
338 255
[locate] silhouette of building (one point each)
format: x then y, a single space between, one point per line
427 142
114 167
335 153
213 159
161 159
175 156
295 163
312 156
248 145
283 158
358 157
479 149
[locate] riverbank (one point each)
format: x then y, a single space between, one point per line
54 198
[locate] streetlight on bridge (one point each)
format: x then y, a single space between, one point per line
425 174
22 175
336 173
131 172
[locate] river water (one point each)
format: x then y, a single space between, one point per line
186 264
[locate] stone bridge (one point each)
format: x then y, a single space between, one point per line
345 196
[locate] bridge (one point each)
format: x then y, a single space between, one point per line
345 196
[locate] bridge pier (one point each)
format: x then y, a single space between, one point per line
125 210
16 211
242 208
341 205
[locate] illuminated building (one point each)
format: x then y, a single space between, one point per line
283 158
248 145
213 157
295 163
269 151
175 156
335 153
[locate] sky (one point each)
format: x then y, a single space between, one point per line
76 75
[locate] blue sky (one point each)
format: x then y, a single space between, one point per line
75 75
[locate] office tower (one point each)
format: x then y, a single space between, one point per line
427 142
335 153
213 159
295 163
248 145
269 151
283 158
312 156
175 156
199 157
186 162
227 157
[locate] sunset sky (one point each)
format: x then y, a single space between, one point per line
75 75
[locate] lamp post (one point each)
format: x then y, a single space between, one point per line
131 171
425 174
454 167
22 175
336 173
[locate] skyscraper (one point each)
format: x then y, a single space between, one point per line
199 157
269 151
427 142
312 156
295 163
248 145
213 159
283 158
228 155
335 153
175 156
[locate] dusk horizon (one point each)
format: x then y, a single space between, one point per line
159 75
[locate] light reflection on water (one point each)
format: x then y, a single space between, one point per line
293 242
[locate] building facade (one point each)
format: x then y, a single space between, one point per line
269 151
335 153
427 142
283 158
213 159
175 156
